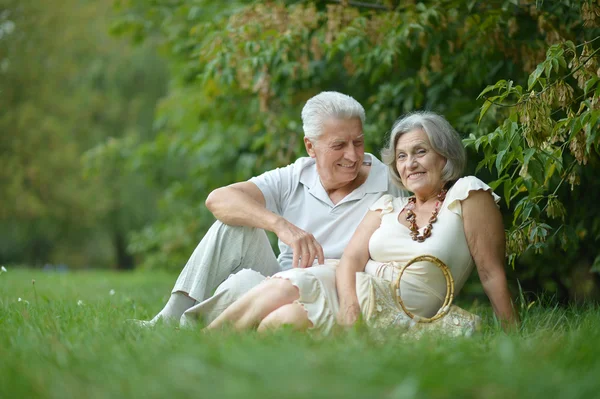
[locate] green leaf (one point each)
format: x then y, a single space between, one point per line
533 78
536 171
484 108
499 84
487 161
518 151
499 161
590 135
494 184
555 66
508 160
589 85
527 208
508 186
519 209
550 168
547 67
469 140
527 157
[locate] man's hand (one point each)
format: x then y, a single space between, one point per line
348 314
305 247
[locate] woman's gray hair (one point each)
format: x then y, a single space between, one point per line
442 136
325 105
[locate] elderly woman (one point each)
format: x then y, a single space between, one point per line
453 219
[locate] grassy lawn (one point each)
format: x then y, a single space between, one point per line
67 338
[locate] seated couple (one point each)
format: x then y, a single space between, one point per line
337 214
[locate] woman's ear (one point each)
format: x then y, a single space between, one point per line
310 147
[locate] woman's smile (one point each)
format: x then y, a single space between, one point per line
415 175
419 166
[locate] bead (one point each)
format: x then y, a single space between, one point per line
411 217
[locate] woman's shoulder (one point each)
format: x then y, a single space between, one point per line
462 188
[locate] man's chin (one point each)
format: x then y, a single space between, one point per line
348 177
352 170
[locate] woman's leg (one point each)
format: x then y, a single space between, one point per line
258 303
293 314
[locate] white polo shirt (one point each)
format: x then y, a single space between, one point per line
295 192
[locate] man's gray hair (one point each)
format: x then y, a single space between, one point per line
325 105
442 136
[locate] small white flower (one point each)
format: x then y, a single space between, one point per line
3 269
79 302
111 292
19 300
26 302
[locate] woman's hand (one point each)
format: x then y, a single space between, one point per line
348 314
354 259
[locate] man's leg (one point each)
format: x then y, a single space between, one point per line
223 250
227 293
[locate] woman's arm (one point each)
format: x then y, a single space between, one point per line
485 236
354 260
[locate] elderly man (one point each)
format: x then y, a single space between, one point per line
313 206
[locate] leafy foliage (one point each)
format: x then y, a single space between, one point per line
243 71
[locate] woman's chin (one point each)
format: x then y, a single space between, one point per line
417 188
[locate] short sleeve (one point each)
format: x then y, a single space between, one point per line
275 186
461 189
385 204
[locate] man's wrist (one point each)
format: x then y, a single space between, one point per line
277 224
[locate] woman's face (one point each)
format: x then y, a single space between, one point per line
419 166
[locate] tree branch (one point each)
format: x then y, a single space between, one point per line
547 87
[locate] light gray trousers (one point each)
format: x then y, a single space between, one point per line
230 259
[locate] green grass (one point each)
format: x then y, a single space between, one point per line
53 347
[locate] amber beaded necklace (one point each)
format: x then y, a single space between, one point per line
412 218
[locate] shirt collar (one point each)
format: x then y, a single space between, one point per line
376 182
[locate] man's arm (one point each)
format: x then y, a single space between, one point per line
243 204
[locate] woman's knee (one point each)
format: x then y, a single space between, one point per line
241 282
292 314
280 289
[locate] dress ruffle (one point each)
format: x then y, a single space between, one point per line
461 189
385 204
317 293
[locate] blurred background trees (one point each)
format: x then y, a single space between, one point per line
67 87
517 78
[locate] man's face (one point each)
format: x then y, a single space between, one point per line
339 152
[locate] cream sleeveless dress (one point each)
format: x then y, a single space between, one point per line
423 286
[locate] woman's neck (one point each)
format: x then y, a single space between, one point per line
423 199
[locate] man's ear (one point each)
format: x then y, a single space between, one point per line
310 147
